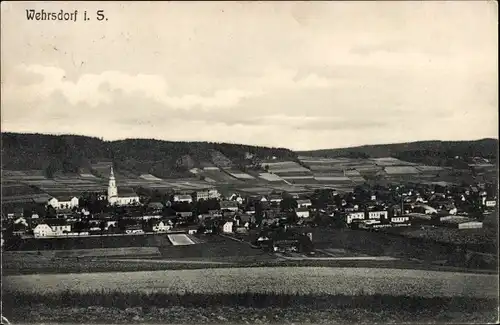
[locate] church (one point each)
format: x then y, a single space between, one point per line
125 198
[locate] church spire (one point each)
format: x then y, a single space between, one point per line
112 189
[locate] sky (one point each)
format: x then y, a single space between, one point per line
287 74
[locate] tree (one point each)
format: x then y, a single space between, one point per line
288 204
50 212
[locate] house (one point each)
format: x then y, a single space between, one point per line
134 229
304 203
229 205
155 206
185 214
63 202
400 219
125 197
183 198
263 199
377 215
201 195
302 212
43 230
160 226
51 227
236 197
148 217
250 210
490 203
275 199
227 227
213 194
354 216
21 221
111 223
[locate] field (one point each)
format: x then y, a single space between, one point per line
113 307
150 240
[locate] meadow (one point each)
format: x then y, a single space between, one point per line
115 307
282 280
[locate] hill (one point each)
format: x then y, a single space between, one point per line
78 154
435 153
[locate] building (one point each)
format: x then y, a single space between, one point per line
490 203
160 226
227 227
51 228
126 197
186 198
354 216
275 199
302 212
202 195
400 219
304 203
63 202
134 229
377 215
229 205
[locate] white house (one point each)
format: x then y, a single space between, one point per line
63 202
134 229
490 203
302 212
43 230
228 227
111 223
213 194
354 216
183 198
263 199
377 215
52 228
21 220
304 203
126 197
161 227
400 219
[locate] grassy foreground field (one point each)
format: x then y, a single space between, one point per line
284 280
247 308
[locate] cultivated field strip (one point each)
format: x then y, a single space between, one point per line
304 280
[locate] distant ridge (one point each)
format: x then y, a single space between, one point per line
432 152
74 153
164 159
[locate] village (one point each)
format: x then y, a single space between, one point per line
277 221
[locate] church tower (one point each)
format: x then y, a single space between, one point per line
112 189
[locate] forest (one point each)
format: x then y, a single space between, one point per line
74 154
